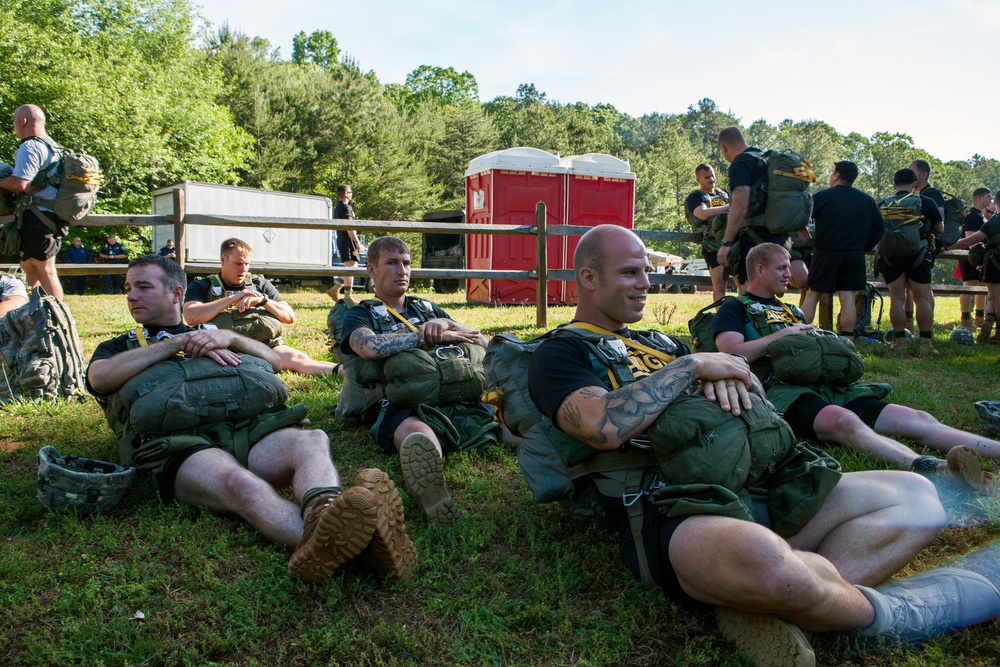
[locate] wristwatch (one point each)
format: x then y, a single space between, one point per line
728 243
263 301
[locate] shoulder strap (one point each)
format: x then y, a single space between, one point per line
399 317
635 345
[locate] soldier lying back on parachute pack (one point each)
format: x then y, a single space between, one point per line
203 412
714 546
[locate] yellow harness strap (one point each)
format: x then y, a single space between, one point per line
635 345
398 316
140 336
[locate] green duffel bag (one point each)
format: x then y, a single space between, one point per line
177 394
808 359
437 376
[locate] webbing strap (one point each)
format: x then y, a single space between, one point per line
140 337
633 484
398 316
635 345
605 462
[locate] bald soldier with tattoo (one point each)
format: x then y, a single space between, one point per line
768 590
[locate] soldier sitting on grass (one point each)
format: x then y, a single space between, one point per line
250 305
235 458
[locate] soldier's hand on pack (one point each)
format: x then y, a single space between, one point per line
247 299
799 328
725 379
212 343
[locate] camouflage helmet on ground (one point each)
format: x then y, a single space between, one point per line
962 337
989 415
80 485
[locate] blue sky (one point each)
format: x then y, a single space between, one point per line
921 67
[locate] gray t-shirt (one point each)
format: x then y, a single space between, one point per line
11 286
31 157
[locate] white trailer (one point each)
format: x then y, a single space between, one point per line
279 245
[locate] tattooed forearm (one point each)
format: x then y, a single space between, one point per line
632 407
571 413
384 345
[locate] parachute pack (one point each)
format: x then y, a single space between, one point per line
256 322
40 351
955 212
785 186
77 178
903 236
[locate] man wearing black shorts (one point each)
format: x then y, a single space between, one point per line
989 233
745 226
848 224
40 238
854 416
767 589
913 272
348 244
700 207
981 199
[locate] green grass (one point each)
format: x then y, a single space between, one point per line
514 583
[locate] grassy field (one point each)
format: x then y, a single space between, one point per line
514 583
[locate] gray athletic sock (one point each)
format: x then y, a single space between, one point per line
926 465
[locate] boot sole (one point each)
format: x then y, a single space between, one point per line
765 640
390 550
966 464
341 533
423 475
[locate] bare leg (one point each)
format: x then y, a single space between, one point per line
897 297
923 301
924 429
718 275
300 362
43 273
848 310
809 305
843 427
414 425
349 280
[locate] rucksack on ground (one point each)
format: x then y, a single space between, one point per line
864 307
902 236
335 329
786 184
77 178
40 351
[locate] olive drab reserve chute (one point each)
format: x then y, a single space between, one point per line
903 236
785 187
77 178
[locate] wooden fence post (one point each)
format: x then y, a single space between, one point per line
178 226
541 267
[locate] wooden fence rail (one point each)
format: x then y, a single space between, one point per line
541 274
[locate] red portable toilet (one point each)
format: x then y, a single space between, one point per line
502 188
600 189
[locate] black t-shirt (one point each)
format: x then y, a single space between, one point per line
716 198
732 316
201 290
934 195
974 221
991 227
361 317
846 219
343 211
119 344
746 169
562 365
